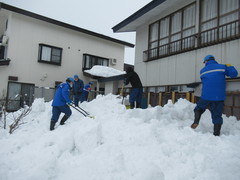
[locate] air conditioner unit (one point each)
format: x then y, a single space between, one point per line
113 61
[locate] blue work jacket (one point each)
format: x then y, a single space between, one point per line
62 94
213 80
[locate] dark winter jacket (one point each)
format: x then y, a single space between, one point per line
213 80
133 78
78 87
61 96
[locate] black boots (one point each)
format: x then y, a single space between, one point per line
64 118
52 124
217 129
132 105
197 115
138 105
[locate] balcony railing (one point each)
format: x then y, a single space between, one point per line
223 33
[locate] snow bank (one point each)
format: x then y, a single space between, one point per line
140 144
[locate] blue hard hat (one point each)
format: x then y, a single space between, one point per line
75 76
70 79
208 58
90 82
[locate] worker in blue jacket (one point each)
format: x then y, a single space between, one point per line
78 90
213 91
86 90
61 103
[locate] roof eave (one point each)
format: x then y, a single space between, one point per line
136 15
59 23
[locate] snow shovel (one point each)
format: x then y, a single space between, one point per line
83 112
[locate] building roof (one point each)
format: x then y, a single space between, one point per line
140 17
59 23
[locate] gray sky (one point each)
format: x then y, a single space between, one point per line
95 15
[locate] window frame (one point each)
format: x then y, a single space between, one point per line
179 43
40 51
97 60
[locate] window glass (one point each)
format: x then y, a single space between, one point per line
89 61
164 27
49 54
176 22
154 32
105 62
228 6
46 53
189 17
209 9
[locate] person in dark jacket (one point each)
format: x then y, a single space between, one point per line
78 90
213 91
86 90
137 88
61 102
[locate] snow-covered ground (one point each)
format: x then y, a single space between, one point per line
140 144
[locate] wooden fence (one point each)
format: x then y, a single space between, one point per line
231 108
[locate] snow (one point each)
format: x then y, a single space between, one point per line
104 71
118 144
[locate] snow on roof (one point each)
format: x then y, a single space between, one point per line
104 71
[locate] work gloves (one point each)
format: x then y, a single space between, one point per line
69 103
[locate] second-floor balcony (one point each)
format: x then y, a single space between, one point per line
220 34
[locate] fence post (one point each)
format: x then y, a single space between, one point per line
188 96
173 97
160 99
192 98
149 96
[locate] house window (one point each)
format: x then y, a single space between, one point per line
50 54
2 52
173 33
219 20
3 46
90 60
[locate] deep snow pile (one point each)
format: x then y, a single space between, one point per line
151 144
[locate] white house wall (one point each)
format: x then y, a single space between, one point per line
25 34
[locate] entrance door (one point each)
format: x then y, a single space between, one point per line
19 94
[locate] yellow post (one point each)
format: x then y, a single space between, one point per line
193 98
188 96
160 99
121 90
173 97
149 96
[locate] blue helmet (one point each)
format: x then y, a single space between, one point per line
91 82
208 58
70 79
75 76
